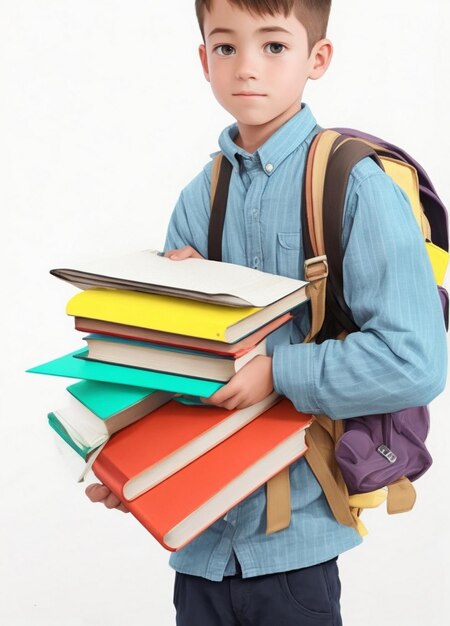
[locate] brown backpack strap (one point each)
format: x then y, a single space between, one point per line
401 496
314 182
220 183
346 154
330 160
320 456
278 502
316 263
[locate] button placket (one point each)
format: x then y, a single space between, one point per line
252 210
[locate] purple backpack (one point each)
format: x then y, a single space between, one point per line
375 450
378 450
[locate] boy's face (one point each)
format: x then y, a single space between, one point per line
257 65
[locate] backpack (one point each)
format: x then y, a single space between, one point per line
376 450
365 454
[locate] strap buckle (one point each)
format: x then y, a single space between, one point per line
316 268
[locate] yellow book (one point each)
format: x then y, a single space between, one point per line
178 315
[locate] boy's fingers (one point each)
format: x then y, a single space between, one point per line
112 501
101 493
169 253
224 394
228 397
183 253
97 492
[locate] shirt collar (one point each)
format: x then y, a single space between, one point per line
279 146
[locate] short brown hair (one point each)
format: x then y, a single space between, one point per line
313 14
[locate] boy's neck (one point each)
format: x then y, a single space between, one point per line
251 137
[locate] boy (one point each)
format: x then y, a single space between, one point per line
257 56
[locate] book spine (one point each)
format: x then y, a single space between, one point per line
108 473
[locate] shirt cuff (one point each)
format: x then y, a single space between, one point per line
293 376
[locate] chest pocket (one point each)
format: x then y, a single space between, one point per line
289 255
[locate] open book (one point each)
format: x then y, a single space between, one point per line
198 279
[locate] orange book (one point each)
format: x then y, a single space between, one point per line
173 435
180 507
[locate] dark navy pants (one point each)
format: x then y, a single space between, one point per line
302 597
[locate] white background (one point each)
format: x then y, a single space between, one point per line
104 117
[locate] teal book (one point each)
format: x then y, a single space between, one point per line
109 399
80 448
75 365
95 410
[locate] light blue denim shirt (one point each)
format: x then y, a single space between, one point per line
397 359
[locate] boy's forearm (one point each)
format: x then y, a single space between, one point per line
359 376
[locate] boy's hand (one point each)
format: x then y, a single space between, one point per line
249 385
100 493
253 382
188 252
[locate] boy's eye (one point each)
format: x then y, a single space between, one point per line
274 48
225 50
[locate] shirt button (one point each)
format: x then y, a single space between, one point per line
255 212
269 168
255 262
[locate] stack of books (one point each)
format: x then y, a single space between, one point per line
161 334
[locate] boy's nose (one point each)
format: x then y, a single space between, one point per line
246 69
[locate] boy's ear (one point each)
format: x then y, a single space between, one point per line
204 60
320 58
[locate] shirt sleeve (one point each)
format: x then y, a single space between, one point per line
188 225
398 358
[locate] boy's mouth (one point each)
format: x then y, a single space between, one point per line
249 94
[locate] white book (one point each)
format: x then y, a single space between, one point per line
198 279
170 359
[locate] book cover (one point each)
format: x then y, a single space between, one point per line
199 279
72 366
177 315
177 509
116 405
236 349
181 434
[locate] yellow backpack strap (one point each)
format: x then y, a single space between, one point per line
361 501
